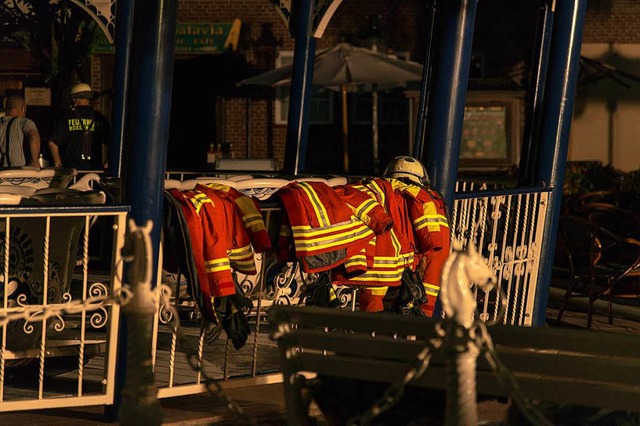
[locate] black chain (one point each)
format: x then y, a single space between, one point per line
395 391
485 343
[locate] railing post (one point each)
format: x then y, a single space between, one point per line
554 132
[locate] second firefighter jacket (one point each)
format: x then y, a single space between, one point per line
216 227
388 254
249 210
325 226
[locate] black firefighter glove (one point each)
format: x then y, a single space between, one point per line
411 294
230 310
321 292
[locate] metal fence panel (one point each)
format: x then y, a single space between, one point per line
58 320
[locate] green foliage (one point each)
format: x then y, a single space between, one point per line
588 176
59 35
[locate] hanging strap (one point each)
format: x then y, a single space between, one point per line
7 140
87 137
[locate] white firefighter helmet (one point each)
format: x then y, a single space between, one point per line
409 168
81 91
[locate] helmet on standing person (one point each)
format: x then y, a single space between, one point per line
408 168
81 91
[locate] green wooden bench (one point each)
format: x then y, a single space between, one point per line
564 366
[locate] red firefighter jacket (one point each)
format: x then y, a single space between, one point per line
328 225
249 210
180 253
420 223
388 254
210 257
233 235
433 260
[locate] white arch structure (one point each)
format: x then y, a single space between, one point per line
103 12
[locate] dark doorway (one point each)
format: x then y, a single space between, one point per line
197 83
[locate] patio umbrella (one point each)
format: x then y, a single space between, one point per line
344 68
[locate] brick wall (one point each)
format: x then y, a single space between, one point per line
609 21
606 21
398 22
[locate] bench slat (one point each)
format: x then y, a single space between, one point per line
561 339
536 387
581 366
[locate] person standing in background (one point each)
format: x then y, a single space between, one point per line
14 129
81 138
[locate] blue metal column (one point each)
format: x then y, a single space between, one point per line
531 137
147 130
418 145
301 26
554 133
124 31
456 20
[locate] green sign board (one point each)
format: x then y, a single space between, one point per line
196 38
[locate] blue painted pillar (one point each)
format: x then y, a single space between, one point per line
554 133
124 31
147 133
301 27
418 145
455 20
539 66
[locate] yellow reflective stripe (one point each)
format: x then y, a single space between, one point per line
396 243
387 277
363 209
379 192
308 231
442 221
217 265
377 291
431 287
432 223
253 223
199 200
330 234
319 209
431 293
240 252
217 186
335 240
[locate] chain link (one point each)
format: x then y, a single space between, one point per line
484 342
212 385
395 391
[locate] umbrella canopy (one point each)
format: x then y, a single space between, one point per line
345 64
346 67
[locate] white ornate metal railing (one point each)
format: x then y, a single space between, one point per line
58 319
506 226
59 312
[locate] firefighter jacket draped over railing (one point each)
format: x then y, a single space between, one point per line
417 233
222 226
325 226
388 254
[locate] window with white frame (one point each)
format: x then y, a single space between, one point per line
320 108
